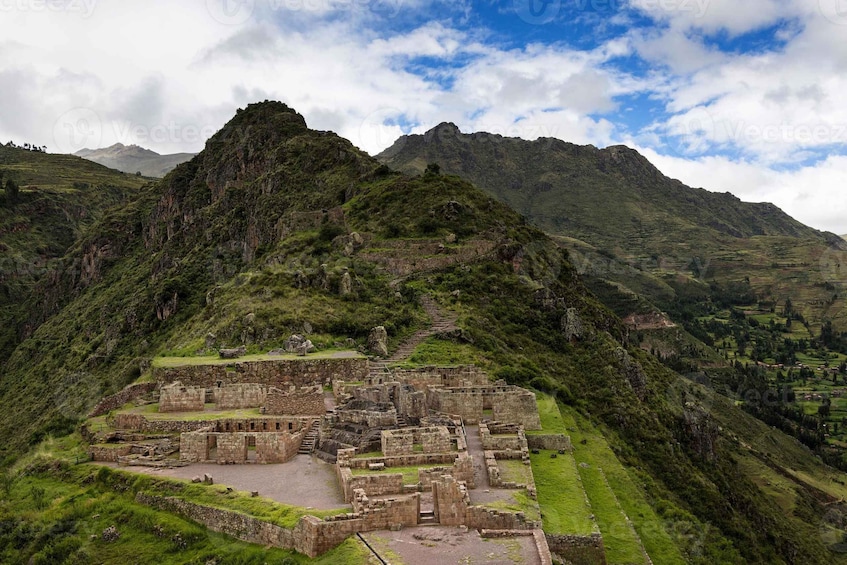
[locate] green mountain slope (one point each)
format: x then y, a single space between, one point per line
60 196
251 241
623 208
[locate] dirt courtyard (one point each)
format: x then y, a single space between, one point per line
304 481
447 546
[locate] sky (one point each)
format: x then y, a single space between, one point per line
741 96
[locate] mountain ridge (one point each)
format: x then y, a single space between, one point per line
617 203
135 159
285 228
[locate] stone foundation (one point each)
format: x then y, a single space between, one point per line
509 404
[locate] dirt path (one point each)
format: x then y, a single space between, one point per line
483 493
304 481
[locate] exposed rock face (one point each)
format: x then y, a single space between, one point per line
702 431
346 285
378 341
572 324
633 371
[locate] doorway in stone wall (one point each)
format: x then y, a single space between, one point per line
250 447
211 448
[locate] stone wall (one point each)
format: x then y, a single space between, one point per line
109 454
311 536
549 442
235 448
119 399
435 440
138 422
500 437
397 442
372 485
239 396
308 401
388 514
278 373
462 403
517 406
579 550
423 378
366 413
179 398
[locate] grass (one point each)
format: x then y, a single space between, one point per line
514 471
167 362
620 540
564 508
65 523
597 453
151 412
441 352
519 502
410 474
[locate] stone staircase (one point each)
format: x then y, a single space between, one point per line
441 322
427 518
307 447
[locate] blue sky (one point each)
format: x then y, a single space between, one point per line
731 96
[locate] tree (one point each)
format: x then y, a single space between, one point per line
433 169
12 192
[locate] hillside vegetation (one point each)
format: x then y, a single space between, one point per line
285 230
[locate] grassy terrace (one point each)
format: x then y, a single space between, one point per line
609 498
216 360
514 471
410 474
51 490
597 454
564 508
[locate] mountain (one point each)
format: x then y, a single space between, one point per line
251 241
133 159
626 222
59 198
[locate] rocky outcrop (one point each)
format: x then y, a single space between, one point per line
701 430
572 324
378 341
633 371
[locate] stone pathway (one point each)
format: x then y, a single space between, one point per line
440 322
483 493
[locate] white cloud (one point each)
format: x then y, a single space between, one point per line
167 74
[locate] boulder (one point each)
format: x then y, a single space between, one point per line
378 341
305 348
293 343
211 340
232 353
345 287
